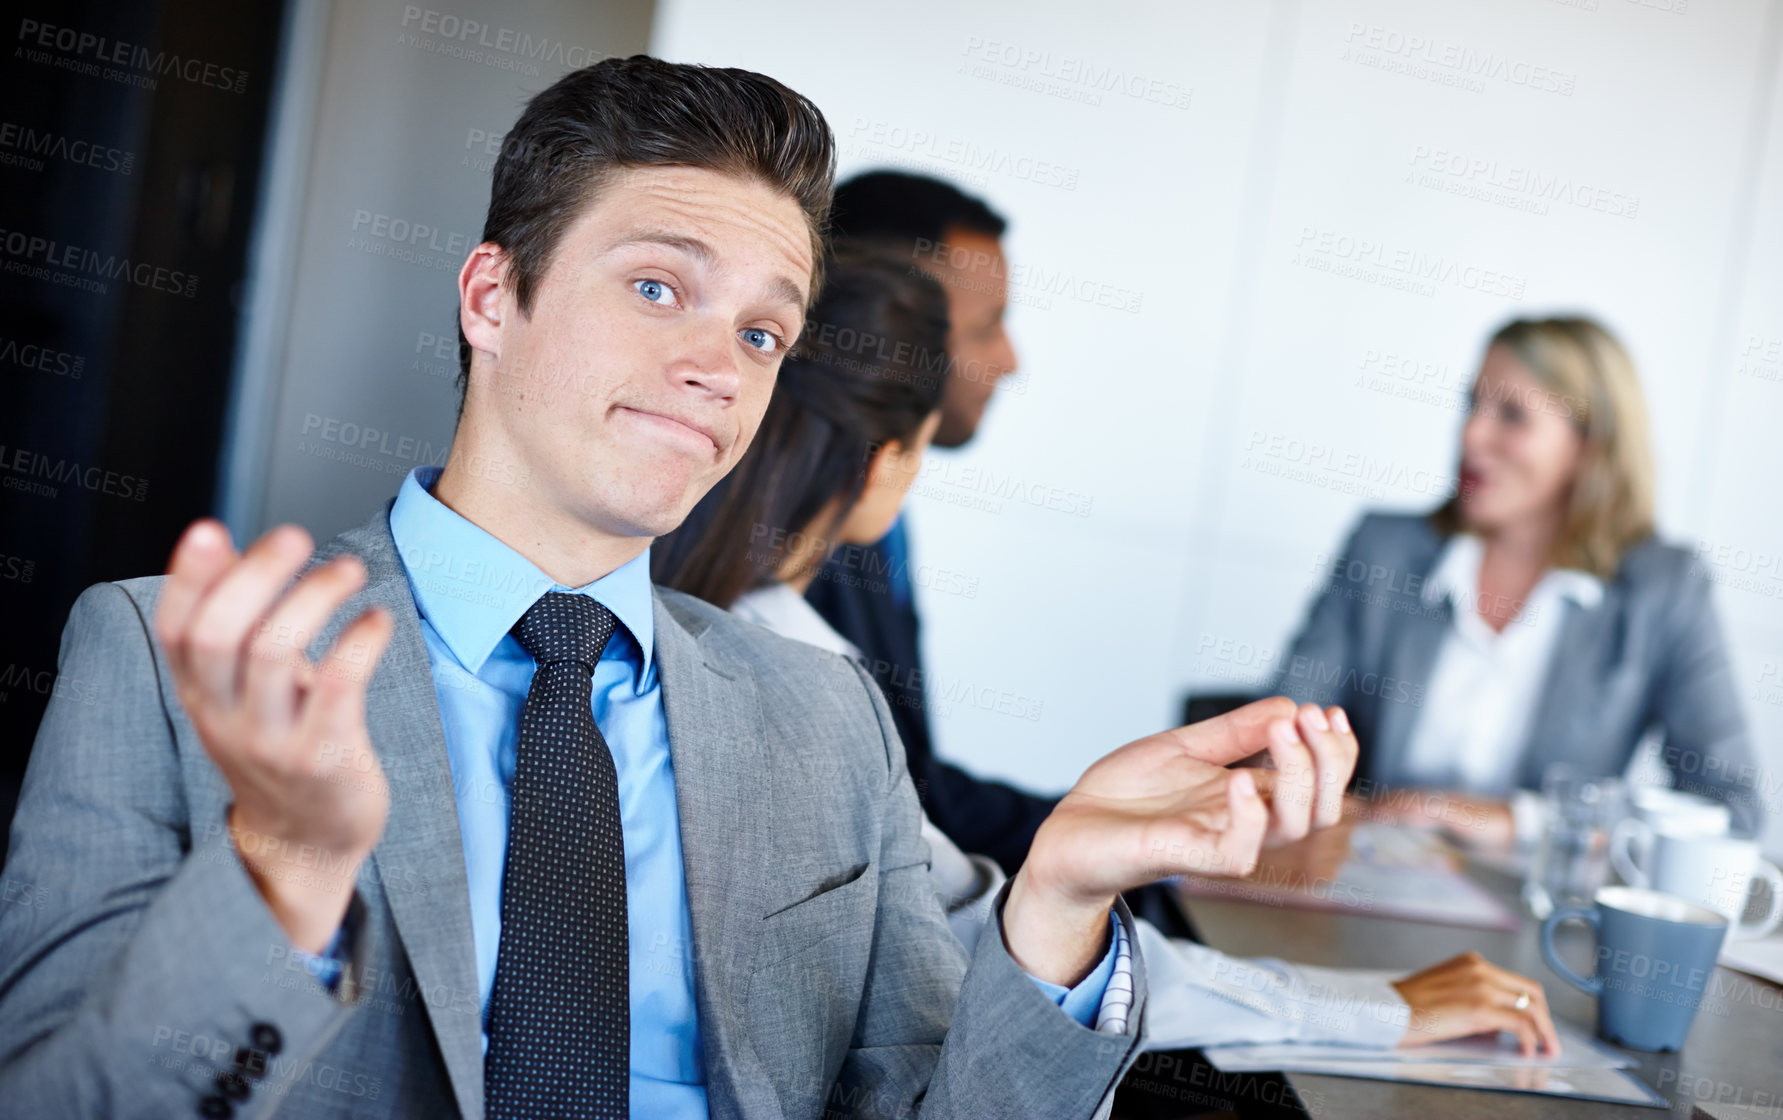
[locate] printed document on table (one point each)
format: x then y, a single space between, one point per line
1578 1050
1391 872
1616 1086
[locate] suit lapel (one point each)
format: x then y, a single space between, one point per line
420 859
723 788
1411 654
1575 672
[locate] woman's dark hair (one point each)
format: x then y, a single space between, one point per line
868 369
620 113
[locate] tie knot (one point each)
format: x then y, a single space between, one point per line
565 627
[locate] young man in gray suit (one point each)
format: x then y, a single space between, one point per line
471 820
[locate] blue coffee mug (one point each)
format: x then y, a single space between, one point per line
1655 954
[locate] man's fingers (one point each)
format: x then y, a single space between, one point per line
1242 839
1334 751
275 677
1236 735
217 636
203 553
343 673
1291 805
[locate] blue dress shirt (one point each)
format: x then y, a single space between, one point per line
470 589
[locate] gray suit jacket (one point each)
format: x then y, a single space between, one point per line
1649 656
137 962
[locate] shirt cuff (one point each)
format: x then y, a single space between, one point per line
1361 1008
1101 999
328 965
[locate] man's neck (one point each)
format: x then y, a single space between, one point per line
570 552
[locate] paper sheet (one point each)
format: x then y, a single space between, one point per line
1762 957
1392 872
1578 1050
1585 1068
1613 1085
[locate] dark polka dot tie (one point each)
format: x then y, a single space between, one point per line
560 1015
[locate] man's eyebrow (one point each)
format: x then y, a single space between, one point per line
780 289
692 246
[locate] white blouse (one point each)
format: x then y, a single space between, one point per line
1473 726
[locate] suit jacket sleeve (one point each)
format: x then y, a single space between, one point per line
1696 700
990 818
1009 1051
147 960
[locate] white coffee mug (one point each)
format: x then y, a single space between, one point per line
1714 871
1685 814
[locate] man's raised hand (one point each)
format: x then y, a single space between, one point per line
289 735
1168 805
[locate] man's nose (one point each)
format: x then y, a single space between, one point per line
707 362
1006 354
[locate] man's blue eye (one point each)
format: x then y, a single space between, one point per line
760 339
652 290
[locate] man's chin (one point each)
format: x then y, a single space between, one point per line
652 512
955 432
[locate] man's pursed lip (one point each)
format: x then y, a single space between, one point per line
671 423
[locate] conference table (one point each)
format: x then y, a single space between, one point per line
1730 1068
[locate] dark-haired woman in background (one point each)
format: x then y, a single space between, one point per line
1534 618
854 408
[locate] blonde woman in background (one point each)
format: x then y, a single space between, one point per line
1534 618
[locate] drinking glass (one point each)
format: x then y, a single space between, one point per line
1572 860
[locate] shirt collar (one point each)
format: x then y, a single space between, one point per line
1456 576
472 588
787 613
1578 585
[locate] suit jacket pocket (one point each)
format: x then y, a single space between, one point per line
805 988
794 928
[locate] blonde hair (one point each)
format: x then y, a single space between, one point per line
1592 379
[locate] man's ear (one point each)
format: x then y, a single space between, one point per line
883 460
480 291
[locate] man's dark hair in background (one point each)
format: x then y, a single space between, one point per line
955 237
866 593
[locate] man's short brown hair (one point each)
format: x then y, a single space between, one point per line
627 113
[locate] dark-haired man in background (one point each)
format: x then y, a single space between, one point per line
866 594
461 816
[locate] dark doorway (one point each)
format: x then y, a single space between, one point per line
130 157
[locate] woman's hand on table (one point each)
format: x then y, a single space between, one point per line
1469 995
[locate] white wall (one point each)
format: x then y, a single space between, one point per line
1265 228
390 112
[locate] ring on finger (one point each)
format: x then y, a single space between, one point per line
1522 1003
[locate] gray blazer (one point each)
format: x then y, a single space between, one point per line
1649 656
137 962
